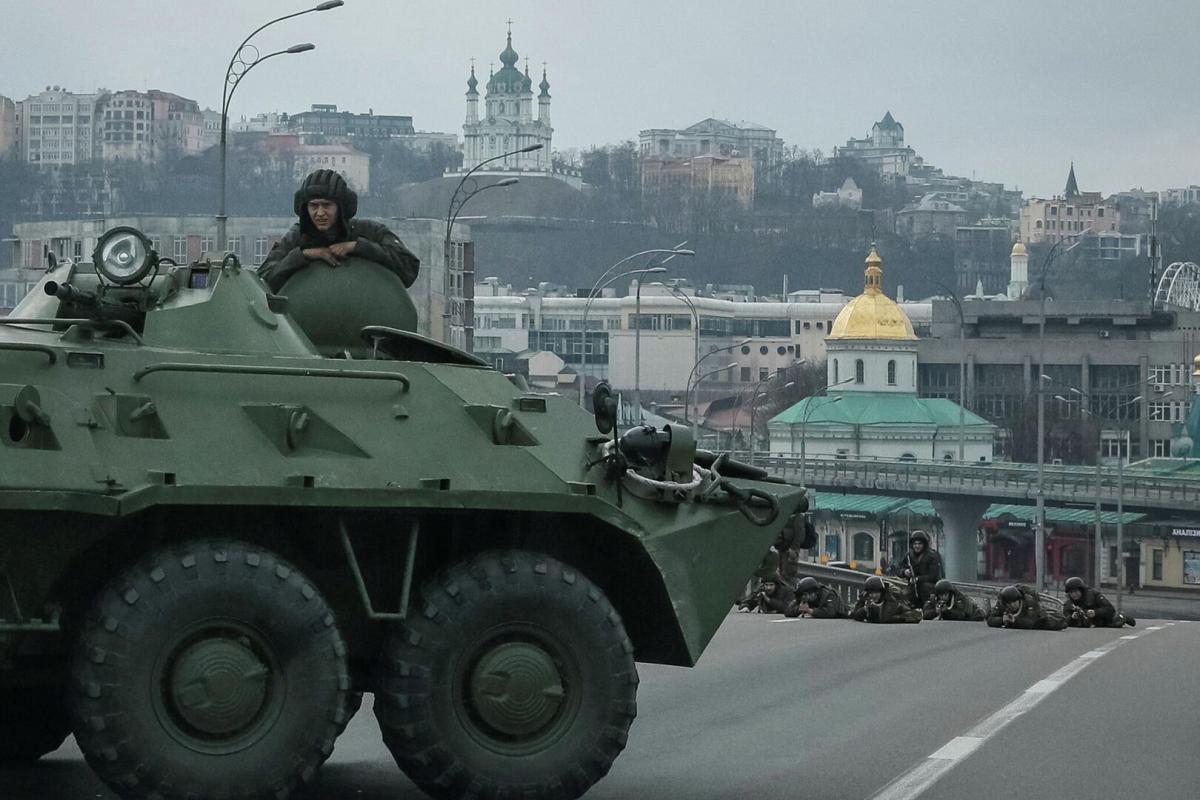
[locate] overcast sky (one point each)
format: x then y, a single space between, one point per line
1004 91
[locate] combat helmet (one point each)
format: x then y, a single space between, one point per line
808 585
874 584
1010 594
944 586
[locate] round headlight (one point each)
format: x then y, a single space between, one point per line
123 256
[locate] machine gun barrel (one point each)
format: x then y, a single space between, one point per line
69 294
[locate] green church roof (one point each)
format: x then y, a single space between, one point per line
878 408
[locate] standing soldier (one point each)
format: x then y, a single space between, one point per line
1019 607
922 569
816 600
882 603
948 603
1087 608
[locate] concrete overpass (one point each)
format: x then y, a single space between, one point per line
962 492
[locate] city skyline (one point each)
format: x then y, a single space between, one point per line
1023 91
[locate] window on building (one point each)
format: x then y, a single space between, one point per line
207 244
235 245
833 546
764 373
745 375
859 371
864 546
1156 564
261 247
891 373
1160 448
180 249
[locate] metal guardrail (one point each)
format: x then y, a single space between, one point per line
849 584
1012 482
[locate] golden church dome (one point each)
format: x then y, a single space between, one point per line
872 315
1019 249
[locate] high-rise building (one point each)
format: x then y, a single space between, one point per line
58 127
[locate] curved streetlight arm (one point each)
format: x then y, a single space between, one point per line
626 259
246 71
227 93
450 212
497 185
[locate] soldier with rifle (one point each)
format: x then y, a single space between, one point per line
948 603
922 569
1019 607
1087 608
771 597
815 600
882 603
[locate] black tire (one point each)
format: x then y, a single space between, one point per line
33 722
212 669
516 680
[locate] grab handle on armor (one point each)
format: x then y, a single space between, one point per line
746 500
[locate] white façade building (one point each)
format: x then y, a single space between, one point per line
871 408
507 122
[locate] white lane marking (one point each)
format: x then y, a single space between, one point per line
958 747
790 619
1130 638
913 783
1155 628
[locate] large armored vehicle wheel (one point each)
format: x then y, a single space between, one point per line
212 669
516 679
33 722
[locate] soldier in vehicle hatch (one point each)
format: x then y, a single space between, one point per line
882 603
948 603
1019 607
1087 608
816 600
922 569
328 232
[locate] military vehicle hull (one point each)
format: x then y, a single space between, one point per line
427 529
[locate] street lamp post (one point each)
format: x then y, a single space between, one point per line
596 287
694 385
587 307
240 64
458 199
1039 556
682 297
808 410
962 370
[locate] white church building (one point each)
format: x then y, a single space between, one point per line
871 408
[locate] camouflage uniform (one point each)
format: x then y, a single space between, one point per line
1030 617
373 240
827 605
958 608
1106 615
926 571
890 609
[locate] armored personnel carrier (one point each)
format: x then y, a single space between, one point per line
218 528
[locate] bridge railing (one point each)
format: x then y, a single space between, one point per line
995 480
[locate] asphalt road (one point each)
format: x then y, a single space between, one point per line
836 709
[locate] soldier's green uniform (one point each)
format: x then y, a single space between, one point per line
771 597
1019 607
923 568
949 604
373 240
817 600
882 603
1081 599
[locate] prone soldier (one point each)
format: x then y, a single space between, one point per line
948 603
1019 607
1087 608
771 597
816 600
882 603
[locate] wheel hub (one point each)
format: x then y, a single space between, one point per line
516 690
218 686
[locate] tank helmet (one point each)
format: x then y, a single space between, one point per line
808 585
1075 583
944 586
1010 594
874 584
326 184
919 536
